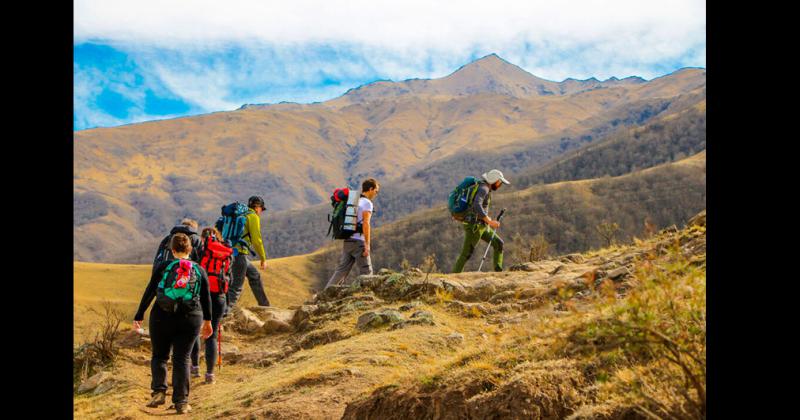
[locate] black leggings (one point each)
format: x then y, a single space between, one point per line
217 309
177 331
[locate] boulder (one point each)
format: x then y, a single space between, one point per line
246 321
303 314
270 312
409 306
574 258
618 273
104 387
134 339
376 319
275 326
93 382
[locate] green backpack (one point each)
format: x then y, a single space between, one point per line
179 288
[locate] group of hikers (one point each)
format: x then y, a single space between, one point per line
196 280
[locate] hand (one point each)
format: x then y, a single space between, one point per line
366 252
263 264
206 330
494 224
137 325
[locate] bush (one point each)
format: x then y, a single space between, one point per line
100 351
659 332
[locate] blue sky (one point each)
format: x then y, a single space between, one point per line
146 60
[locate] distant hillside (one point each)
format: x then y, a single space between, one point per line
676 131
565 213
132 183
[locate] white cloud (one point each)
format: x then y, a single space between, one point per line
393 25
218 55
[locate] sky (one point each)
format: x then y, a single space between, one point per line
148 60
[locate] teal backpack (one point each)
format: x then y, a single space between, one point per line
460 200
179 288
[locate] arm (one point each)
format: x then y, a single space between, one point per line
254 228
205 295
477 207
149 292
366 230
205 303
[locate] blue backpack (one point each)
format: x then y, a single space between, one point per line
232 224
460 200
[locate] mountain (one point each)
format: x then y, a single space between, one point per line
133 182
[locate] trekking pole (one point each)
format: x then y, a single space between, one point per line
219 347
499 216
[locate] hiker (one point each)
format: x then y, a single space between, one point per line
250 242
356 248
182 311
478 225
216 258
187 227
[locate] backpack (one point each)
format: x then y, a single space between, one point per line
179 288
460 200
216 260
164 253
344 215
232 223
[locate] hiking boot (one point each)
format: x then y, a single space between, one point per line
210 379
159 398
195 371
183 408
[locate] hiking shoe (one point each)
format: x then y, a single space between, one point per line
159 398
183 408
195 371
210 379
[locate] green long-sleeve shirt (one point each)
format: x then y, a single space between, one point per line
252 235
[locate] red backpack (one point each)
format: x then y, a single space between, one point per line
216 260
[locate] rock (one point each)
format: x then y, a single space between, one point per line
455 338
376 319
698 220
421 314
133 339
575 258
229 350
415 270
276 326
503 296
469 309
418 318
271 312
409 306
385 271
523 267
104 387
368 281
303 314
333 292
618 272
246 321
92 382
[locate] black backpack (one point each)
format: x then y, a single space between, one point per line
164 253
344 215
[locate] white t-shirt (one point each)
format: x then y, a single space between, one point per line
363 205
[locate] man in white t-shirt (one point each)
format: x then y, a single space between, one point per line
356 249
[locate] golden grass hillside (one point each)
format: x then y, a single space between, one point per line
544 340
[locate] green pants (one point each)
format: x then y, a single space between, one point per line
474 233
